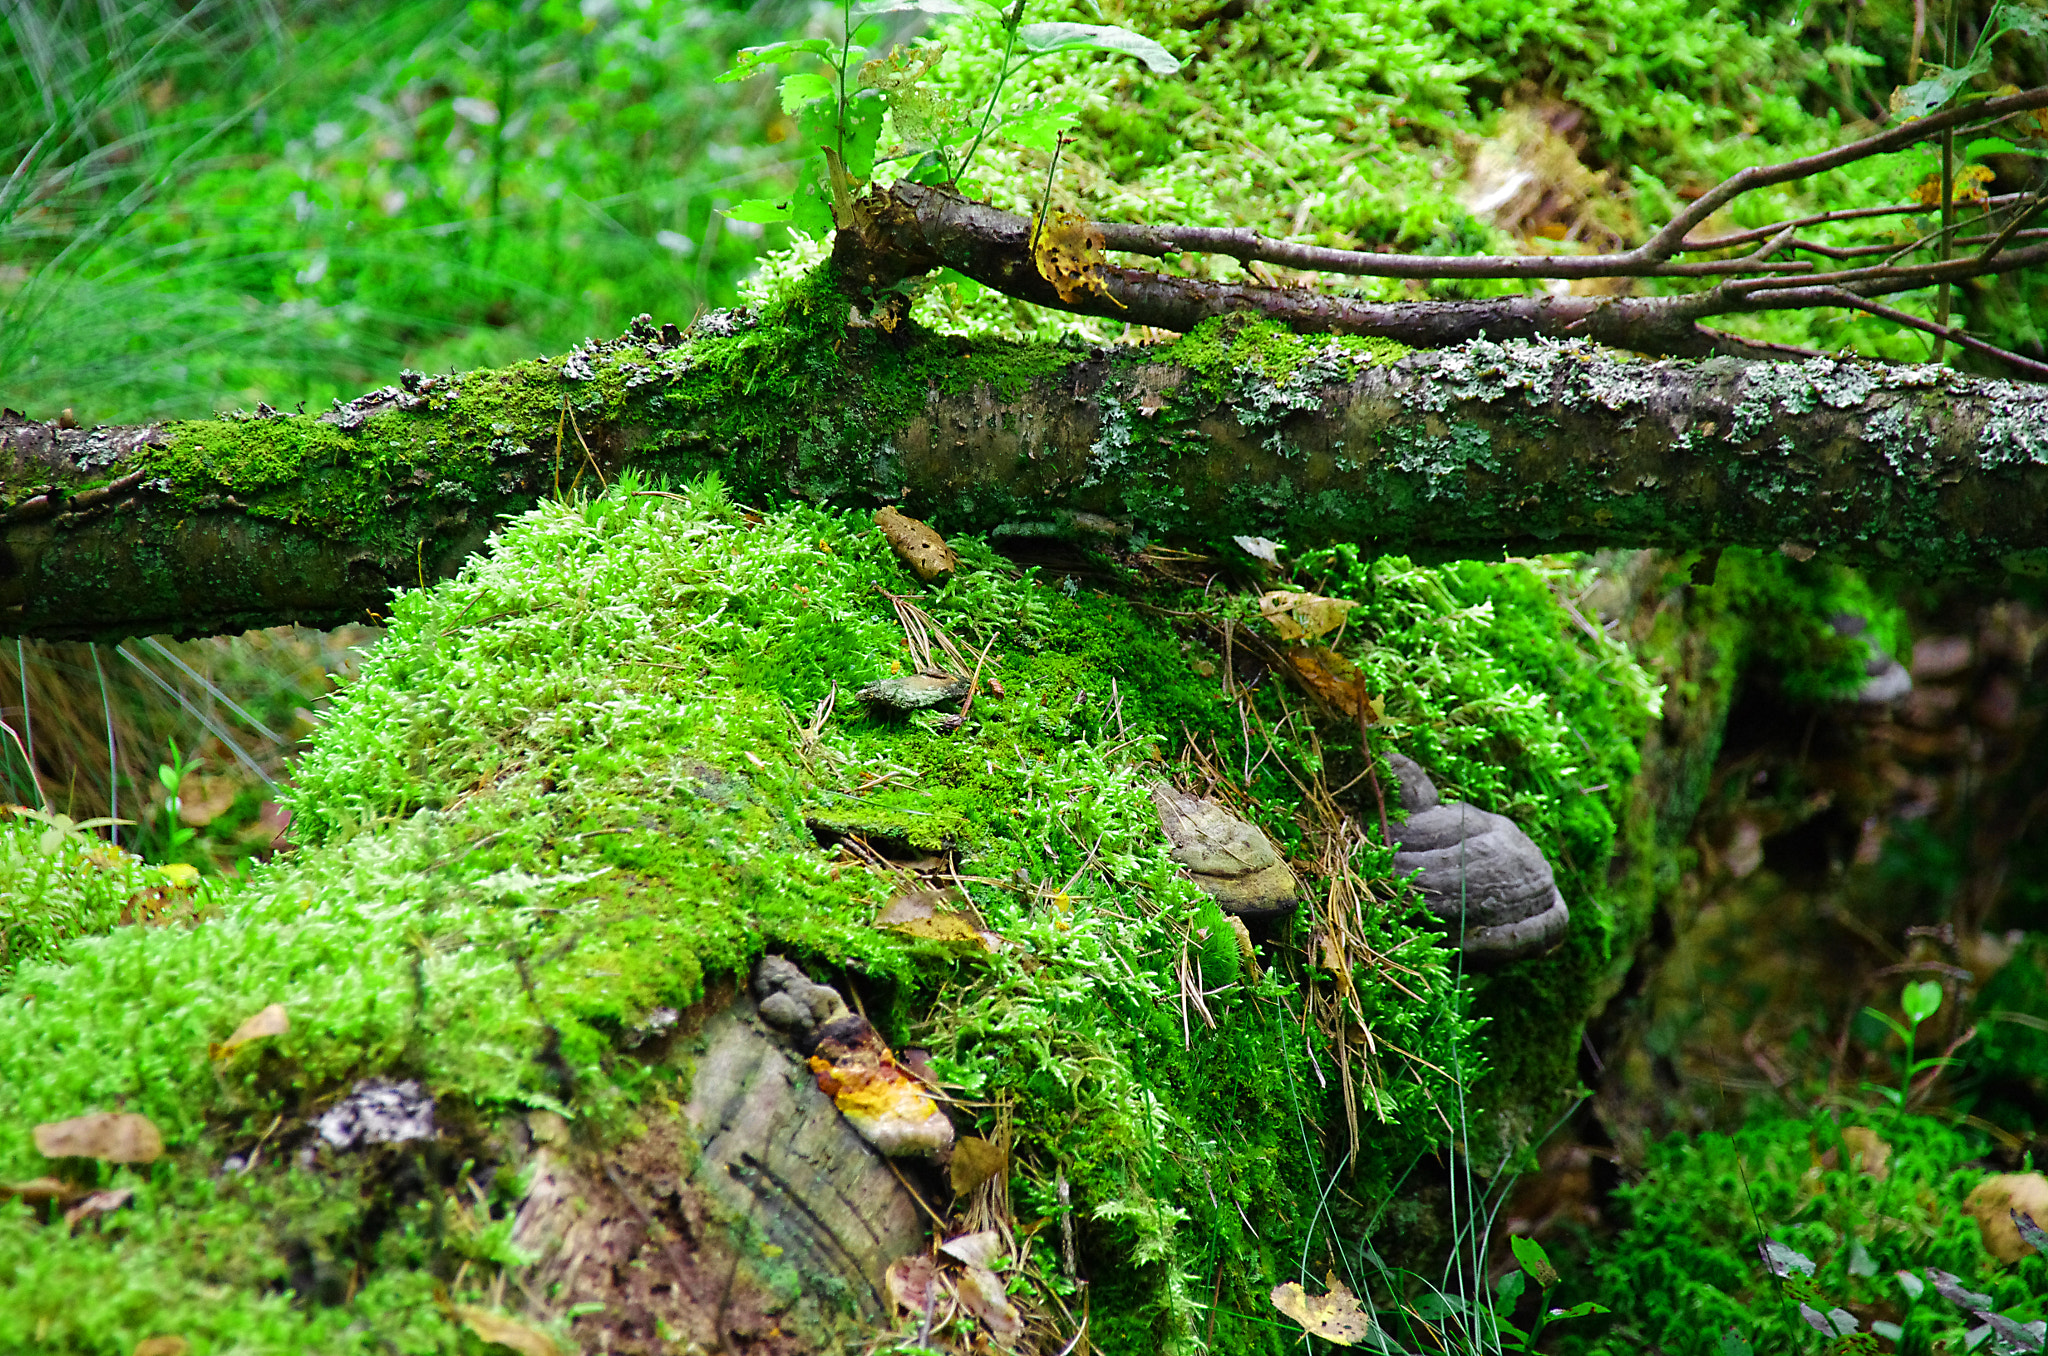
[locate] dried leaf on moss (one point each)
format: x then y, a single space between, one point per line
931 915
110 1136
917 545
1334 1317
165 1345
1336 681
1302 616
272 1021
523 1338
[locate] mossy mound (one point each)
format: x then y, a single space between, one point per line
590 777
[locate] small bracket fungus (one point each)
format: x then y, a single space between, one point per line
886 1104
1230 860
1482 878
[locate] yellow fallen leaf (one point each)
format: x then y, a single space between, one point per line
1335 1317
162 1346
1069 255
917 545
920 914
110 1136
272 1021
523 1338
1302 616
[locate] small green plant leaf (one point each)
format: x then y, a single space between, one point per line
1861 1263
1917 101
1579 1310
1920 1000
1783 1261
749 61
804 88
875 8
761 210
1041 38
1911 1284
1534 1260
1734 1343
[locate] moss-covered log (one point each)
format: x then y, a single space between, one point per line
1239 428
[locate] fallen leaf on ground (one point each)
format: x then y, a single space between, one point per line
110 1136
272 1021
523 1338
37 1190
976 1249
917 545
974 1162
1868 1153
1337 681
913 1282
1992 1204
99 1203
1335 1317
922 914
162 1346
981 1294
1302 616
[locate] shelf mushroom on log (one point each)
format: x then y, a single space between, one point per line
1482 878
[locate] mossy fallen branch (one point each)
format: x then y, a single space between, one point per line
1241 427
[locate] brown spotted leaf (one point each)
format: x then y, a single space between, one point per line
272 1021
917 545
1334 1317
1069 255
110 1136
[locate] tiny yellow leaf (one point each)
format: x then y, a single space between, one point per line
272 1021
1335 1317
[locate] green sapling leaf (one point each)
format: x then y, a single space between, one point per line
1734 1343
1911 1284
762 210
1534 1260
1040 38
1579 1310
799 90
875 8
1921 1000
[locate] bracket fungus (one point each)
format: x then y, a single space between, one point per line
853 1066
1230 860
1482 878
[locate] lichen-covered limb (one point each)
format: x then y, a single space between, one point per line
1241 428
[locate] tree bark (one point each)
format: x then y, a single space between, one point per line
1485 447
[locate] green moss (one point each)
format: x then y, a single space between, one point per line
1684 1271
1224 350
